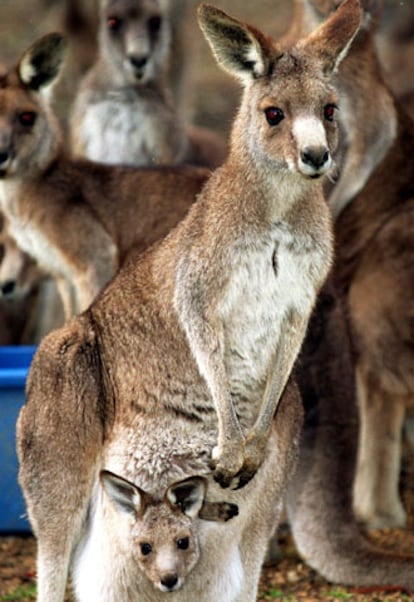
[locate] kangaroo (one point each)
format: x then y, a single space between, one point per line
319 497
89 214
375 254
124 112
372 234
359 77
159 542
205 325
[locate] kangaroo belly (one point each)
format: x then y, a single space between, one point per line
265 288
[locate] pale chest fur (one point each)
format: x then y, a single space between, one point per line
129 131
276 276
27 236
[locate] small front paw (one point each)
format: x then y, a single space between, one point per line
226 464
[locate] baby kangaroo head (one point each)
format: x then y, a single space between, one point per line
29 134
287 116
135 38
165 537
166 531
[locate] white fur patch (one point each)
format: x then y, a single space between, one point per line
27 71
309 131
277 276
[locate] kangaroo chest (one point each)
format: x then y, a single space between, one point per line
277 276
125 131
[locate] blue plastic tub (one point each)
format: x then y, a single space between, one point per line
14 366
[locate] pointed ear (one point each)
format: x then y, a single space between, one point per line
124 495
188 495
331 40
239 49
41 64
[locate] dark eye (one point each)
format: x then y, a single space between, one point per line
274 115
154 24
113 23
27 118
183 543
146 548
329 112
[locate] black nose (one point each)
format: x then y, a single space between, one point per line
315 157
138 62
4 155
8 287
169 581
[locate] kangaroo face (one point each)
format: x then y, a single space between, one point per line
294 123
28 131
166 547
164 536
135 36
25 133
287 114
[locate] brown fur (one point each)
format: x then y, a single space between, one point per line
359 78
163 342
319 500
89 213
374 271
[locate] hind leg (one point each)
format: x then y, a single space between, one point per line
59 438
376 497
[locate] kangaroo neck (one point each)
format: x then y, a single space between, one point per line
273 190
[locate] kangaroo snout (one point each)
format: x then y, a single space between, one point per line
7 288
315 161
4 161
138 63
170 583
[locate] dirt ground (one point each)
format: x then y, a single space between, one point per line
211 100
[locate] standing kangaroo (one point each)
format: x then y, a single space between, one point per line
374 271
89 214
124 111
204 326
373 253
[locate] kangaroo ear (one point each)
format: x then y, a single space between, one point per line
188 495
124 495
330 42
239 49
41 63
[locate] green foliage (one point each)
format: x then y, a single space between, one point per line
20 594
339 594
277 594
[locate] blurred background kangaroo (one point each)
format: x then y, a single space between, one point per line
124 111
89 213
217 113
